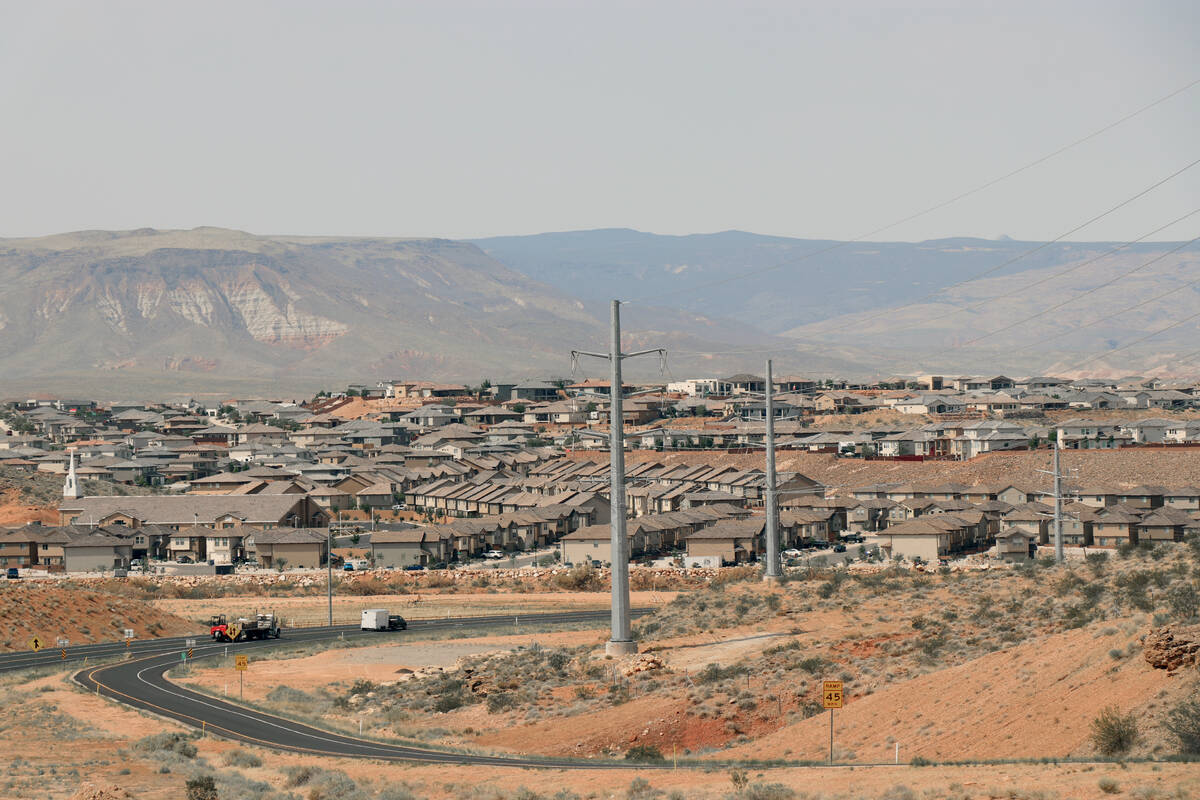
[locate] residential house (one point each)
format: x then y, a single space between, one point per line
279 548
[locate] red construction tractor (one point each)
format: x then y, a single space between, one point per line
260 626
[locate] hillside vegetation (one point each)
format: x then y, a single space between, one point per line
948 662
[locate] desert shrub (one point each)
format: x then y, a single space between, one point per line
899 792
365 586
168 742
500 701
449 701
640 789
766 791
1092 592
395 792
582 578
1078 615
920 761
241 758
333 785
1183 723
812 664
714 672
793 644
1184 600
1134 586
1109 786
1114 733
299 776
643 752
201 788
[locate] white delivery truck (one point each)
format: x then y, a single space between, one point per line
374 619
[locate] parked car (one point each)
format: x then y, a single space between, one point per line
791 552
493 554
13 572
400 507
839 548
415 567
183 560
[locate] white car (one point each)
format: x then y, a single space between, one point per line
493 554
791 553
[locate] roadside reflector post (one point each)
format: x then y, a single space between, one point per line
897 752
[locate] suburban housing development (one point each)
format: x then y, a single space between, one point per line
433 474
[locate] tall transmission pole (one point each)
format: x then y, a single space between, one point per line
1058 517
773 572
621 642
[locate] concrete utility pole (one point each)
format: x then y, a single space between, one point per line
329 573
773 571
1058 518
622 637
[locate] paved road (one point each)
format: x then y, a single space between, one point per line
140 683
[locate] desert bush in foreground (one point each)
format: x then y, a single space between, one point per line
242 758
1114 733
579 579
643 752
201 788
168 742
1183 722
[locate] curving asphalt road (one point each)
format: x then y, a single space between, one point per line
140 683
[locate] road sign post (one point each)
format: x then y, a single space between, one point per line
128 637
832 696
241 664
35 644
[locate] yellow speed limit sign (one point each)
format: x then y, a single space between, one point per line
241 663
831 693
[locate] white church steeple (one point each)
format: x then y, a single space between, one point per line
71 486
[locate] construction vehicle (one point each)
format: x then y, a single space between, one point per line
243 629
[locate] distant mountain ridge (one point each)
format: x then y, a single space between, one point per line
209 310
229 307
899 303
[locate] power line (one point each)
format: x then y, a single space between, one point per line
1106 317
1077 297
1151 335
936 207
890 310
893 309
1073 268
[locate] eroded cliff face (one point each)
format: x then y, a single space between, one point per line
274 309
267 322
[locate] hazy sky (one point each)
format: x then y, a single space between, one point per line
820 120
